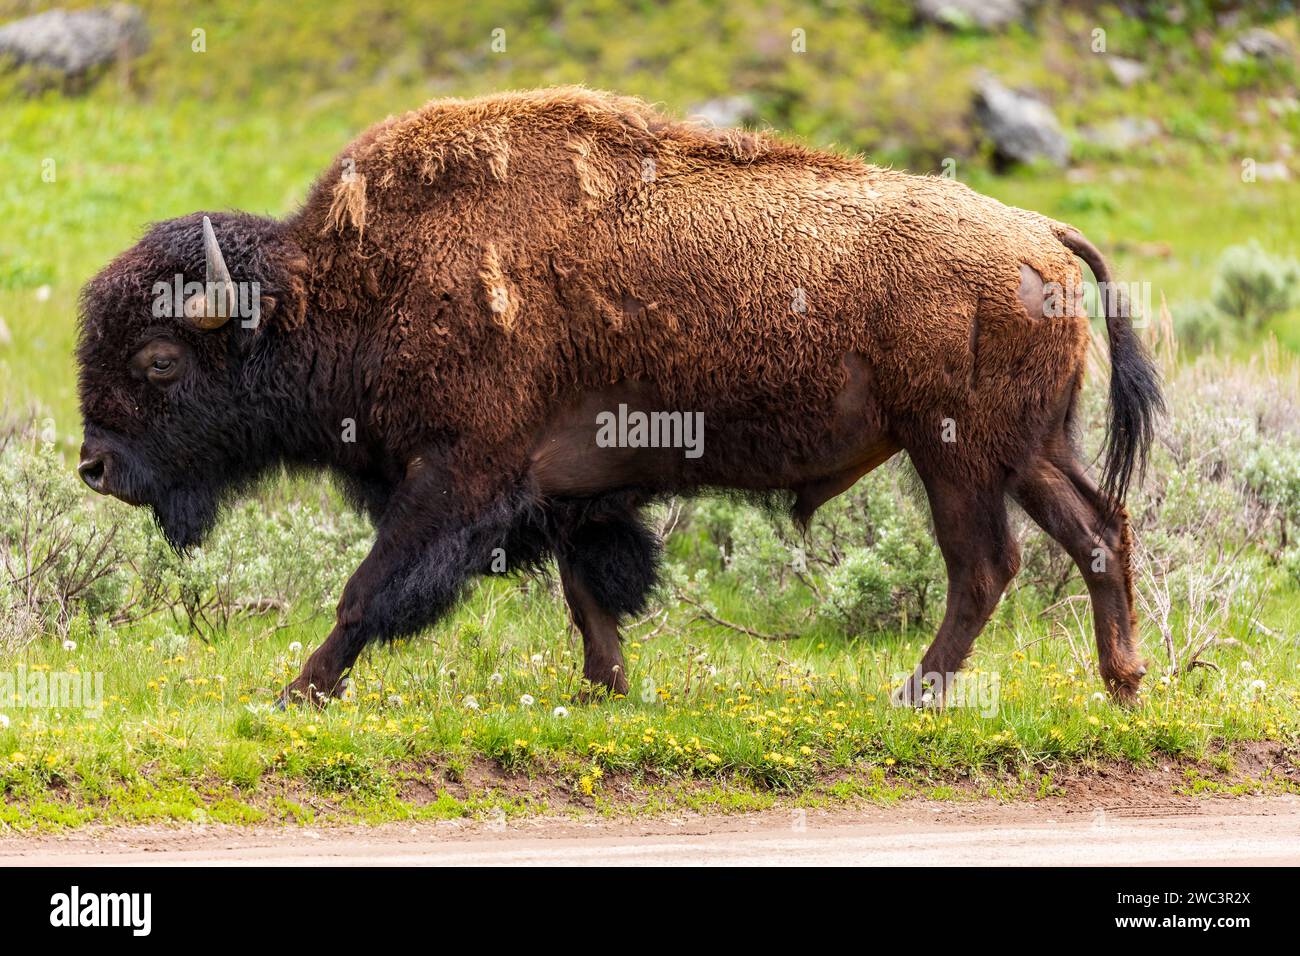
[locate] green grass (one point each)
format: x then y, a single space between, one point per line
440 727
1168 227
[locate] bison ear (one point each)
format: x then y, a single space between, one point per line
211 309
267 305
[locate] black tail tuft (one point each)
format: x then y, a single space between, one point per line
1135 398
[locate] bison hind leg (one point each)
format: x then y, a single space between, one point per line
981 557
1063 501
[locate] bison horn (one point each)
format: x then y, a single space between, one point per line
211 308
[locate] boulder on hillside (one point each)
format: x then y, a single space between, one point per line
1022 128
72 43
1258 43
964 14
725 111
1126 71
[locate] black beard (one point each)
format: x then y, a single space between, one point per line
186 516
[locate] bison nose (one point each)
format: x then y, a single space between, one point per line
92 470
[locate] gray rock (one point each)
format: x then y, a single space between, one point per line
74 42
1274 172
963 14
1126 71
1123 133
1258 43
1022 128
1280 106
725 110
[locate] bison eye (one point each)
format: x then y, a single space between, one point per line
159 363
162 369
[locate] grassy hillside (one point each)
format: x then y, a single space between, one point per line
280 88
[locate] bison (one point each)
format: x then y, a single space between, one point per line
489 312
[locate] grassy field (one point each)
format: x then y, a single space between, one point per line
479 716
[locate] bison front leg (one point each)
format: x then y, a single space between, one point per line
607 568
602 649
413 575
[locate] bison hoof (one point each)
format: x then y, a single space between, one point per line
1124 686
918 694
612 684
1124 694
297 693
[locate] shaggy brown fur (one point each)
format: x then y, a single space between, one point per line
475 281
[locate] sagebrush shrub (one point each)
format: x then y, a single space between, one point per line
1200 326
68 556
1252 286
59 555
869 559
1273 475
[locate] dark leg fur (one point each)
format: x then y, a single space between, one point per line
608 564
1056 493
981 558
404 585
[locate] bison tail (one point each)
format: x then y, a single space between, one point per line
1135 399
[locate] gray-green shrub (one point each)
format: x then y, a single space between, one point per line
1252 285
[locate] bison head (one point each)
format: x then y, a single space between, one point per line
182 384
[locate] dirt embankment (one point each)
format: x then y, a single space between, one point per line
1102 816
1243 831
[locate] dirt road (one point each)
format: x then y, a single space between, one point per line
1239 832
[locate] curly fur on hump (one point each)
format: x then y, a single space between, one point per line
523 247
